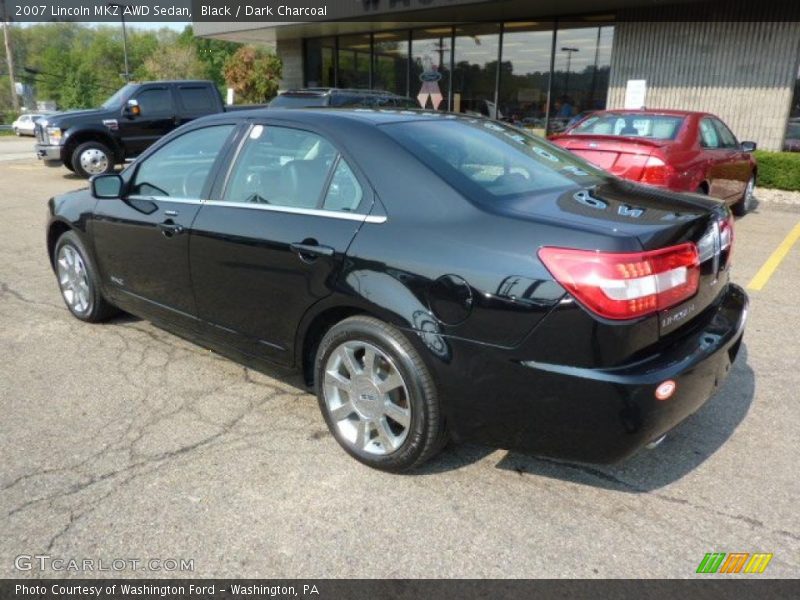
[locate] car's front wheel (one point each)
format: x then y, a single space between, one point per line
748 200
92 158
78 280
377 395
16 131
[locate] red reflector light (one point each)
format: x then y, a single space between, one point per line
665 390
626 285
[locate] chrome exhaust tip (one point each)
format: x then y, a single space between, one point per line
656 442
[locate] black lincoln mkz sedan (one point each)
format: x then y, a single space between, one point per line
432 276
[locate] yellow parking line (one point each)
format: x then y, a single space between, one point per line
766 270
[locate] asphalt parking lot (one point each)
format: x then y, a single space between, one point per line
123 441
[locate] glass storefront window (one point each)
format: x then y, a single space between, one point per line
525 73
791 141
496 70
581 67
390 62
475 69
354 59
320 67
430 66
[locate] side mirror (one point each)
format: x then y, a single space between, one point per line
107 186
748 146
132 108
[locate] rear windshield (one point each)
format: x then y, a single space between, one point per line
656 127
477 156
286 101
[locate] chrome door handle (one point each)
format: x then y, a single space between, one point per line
306 250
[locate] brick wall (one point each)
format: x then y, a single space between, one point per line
291 53
744 72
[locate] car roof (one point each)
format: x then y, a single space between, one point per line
322 91
172 81
651 111
376 116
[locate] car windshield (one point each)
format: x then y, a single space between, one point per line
477 156
657 127
304 101
119 96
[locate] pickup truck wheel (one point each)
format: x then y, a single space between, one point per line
377 396
92 158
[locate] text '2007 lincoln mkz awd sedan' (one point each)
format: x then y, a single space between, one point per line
432 276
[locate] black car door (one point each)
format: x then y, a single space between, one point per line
142 240
157 117
272 244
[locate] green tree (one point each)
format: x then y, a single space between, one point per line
212 53
253 73
174 62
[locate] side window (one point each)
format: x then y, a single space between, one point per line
196 99
344 192
155 101
726 136
281 166
180 168
708 134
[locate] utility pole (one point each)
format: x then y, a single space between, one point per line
569 52
9 58
122 7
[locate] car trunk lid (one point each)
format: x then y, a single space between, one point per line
624 156
648 218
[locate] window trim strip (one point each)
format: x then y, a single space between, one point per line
310 212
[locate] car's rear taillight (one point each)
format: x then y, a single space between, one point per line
656 171
726 238
626 286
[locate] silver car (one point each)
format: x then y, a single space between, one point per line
26 124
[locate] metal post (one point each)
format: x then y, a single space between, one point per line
550 78
9 58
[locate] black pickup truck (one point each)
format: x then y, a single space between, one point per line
90 142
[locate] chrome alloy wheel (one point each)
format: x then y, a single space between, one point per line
94 161
367 398
74 280
749 194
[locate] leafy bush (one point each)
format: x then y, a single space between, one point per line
253 73
780 170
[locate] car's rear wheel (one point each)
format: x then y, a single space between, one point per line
377 395
79 282
748 200
92 158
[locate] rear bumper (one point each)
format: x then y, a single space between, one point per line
591 415
48 153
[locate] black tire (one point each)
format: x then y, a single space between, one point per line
16 132
745 204
103 165
98 309
426 433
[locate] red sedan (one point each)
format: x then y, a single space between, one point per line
678 150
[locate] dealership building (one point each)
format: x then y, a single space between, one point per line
543 61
